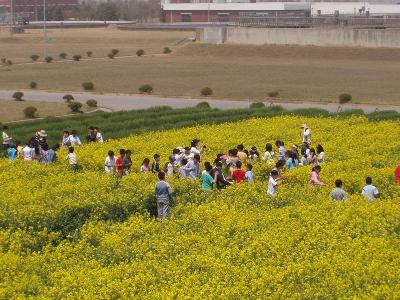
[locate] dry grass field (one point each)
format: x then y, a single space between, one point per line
13 110
232 71
100 41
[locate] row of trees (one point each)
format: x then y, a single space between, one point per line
110 10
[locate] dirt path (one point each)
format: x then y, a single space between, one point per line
118 102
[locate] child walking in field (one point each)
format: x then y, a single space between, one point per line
163 193
338 193
370 192
249 176
72 159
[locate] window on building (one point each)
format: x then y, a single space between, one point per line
223 17
186 17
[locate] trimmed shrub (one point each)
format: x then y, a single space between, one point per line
48 59
89 53
30 112
34 57
91 103
257 105
3 60
77 57
110 55
146 89
114 51
273 94
63 55
18 96
203 105
206 91
68 98
9 62
33 85
345 98
75 106
88 86
140 52
167 50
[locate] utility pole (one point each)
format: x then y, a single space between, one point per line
44 30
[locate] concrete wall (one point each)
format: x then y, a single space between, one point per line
310 36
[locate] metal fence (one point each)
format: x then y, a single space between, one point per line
313 21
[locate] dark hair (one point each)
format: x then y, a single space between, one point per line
268 147
219 164
274 173
176 151
338 183
73 131
156 156
146 161
128 152
122 151
279 164
196 156
161 175
97 128
217 160
240 147
71 149
234 152
5 127
247 152
303 151
66 131
278 143
110 153
184 161
312 150
194 143
249 167
320 148
207 166
316 168
187 148
368 180
45 147
239 164
91 127
56 147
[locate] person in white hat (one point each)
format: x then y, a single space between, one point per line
305 134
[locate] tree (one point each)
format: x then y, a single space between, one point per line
107 11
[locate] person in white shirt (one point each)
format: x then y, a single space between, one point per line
110 164
321 154
305 134
74 139
6 139
27 152
65 143
195 149
369 191
72 159
273 183
99 136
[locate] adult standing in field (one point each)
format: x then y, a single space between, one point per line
110 163
397 174
74 139
65 142
6 138
220 180
314 178
269 155
281 150
91 136
155 166
207 180
118 162
193 167
127 162
163 193
305 134
195 149
370 192
338 193
99 136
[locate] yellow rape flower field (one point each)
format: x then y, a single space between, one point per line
87 235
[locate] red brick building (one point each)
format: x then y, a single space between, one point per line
34 7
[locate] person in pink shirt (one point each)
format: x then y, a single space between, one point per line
397 174
314 178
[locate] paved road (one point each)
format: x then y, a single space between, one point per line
118 102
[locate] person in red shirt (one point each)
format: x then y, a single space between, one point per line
397 174
118 162
239 174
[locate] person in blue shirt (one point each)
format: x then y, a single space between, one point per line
11 152
52 155
249 176
292 162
